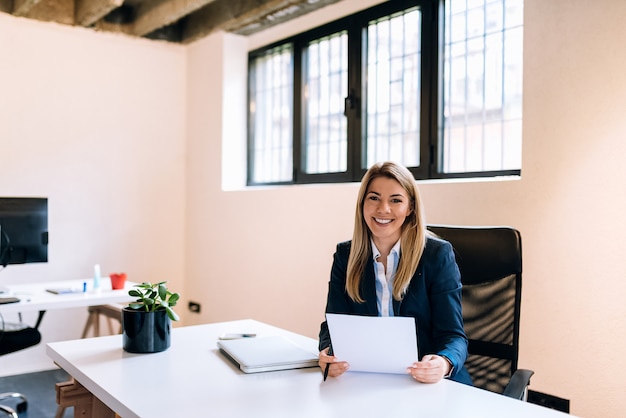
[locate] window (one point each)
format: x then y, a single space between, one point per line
271 86
325 84
433 84
482 100
393 89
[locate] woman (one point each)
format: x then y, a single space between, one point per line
393 267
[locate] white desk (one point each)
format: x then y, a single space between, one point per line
34 297
192 379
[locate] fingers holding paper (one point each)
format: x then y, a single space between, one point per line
336 367
431 369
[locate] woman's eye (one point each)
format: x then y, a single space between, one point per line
396 200
373 197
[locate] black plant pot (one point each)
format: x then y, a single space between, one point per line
145 332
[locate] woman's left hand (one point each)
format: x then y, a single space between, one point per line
431 369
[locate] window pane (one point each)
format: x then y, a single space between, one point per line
325 86
482 85
393 89
271 103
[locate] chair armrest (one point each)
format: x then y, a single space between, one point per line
516 388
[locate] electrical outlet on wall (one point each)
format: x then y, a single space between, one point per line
194 307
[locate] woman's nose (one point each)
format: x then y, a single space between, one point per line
383 207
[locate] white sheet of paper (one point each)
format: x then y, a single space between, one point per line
372 343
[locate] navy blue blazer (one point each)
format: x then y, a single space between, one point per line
433 298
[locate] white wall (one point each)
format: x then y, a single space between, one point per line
157 112
266 253
95 123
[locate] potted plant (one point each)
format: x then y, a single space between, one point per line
147 322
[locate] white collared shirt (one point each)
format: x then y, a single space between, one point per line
384 279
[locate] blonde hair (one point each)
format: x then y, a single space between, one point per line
412 239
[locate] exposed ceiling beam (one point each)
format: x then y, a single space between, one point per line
153 15
103 25
60 11
173 20
6 6
245 16
89 12
24 7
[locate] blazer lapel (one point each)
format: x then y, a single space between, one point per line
369 289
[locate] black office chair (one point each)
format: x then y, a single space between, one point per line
12 340
490 261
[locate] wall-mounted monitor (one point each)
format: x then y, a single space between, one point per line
23 230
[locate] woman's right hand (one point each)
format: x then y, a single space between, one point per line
337 368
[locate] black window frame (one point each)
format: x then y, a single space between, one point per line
431 159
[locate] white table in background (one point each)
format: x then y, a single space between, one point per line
34 297
193 379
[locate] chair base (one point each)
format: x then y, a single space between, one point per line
21 406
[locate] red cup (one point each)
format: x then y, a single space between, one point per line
118 280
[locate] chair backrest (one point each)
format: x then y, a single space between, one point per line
490 261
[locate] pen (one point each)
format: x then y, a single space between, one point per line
330 353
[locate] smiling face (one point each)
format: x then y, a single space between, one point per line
385 207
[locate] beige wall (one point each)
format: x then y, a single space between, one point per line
96 123
265 253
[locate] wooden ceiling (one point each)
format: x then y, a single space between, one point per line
180 21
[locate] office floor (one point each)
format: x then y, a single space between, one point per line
39 390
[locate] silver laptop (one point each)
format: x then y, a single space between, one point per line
264 354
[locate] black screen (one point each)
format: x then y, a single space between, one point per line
23 230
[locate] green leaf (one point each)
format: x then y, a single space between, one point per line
162 291
173 315
173 299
